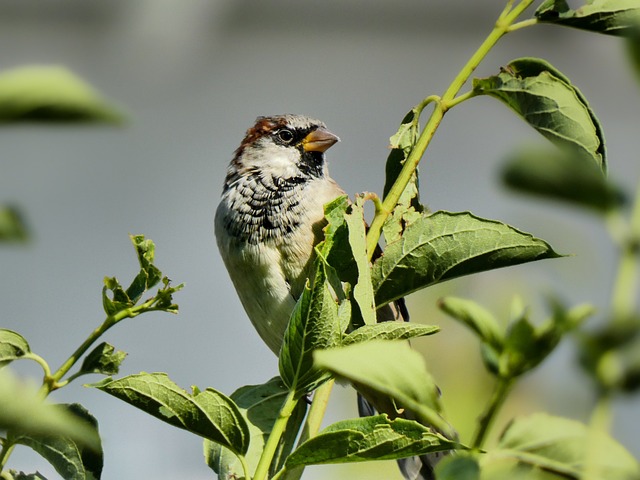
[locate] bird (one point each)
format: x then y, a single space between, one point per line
270 217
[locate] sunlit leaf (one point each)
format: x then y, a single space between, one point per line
207 413
12 346
70 459
335 246
389 331
24 413
612 17
476 317
344 251
145 248
114 297
314 324
15 475
408 207
369 438
363 290
548 101
562 448
526 345
103 359
50 94
390 375
260 406
444 245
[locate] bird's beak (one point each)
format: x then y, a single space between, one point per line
319 140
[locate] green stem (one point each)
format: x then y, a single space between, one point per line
600 422
461 98
316 412
40 361
447 101
7 448
311 426
284 473
52 382
262 470
625 287
523 24
499 395
245 466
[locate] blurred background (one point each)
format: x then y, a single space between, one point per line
191 77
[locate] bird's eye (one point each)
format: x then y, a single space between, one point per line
285 135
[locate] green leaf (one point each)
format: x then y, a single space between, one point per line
563 448
260 406
103 359
60 452
526 346
369 438
633 50
388 374
114 298
546 99
24 413
363 289
314 324
444 245
209 413
164 297
145 248
476 317
611 355
619 368
343 250
138 287
14 475
458 467
389 331
521 351
12 346
335 246
347 265
402 142
71 460
408 207
611 17
557 175
50 94
483 324
12 225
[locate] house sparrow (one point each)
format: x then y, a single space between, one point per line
270 217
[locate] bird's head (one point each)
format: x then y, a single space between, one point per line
285 147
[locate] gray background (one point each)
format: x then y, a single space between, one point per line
192 76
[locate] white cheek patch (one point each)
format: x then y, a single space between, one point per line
276 161
283 166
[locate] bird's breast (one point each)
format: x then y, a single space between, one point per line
266 239
257 211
